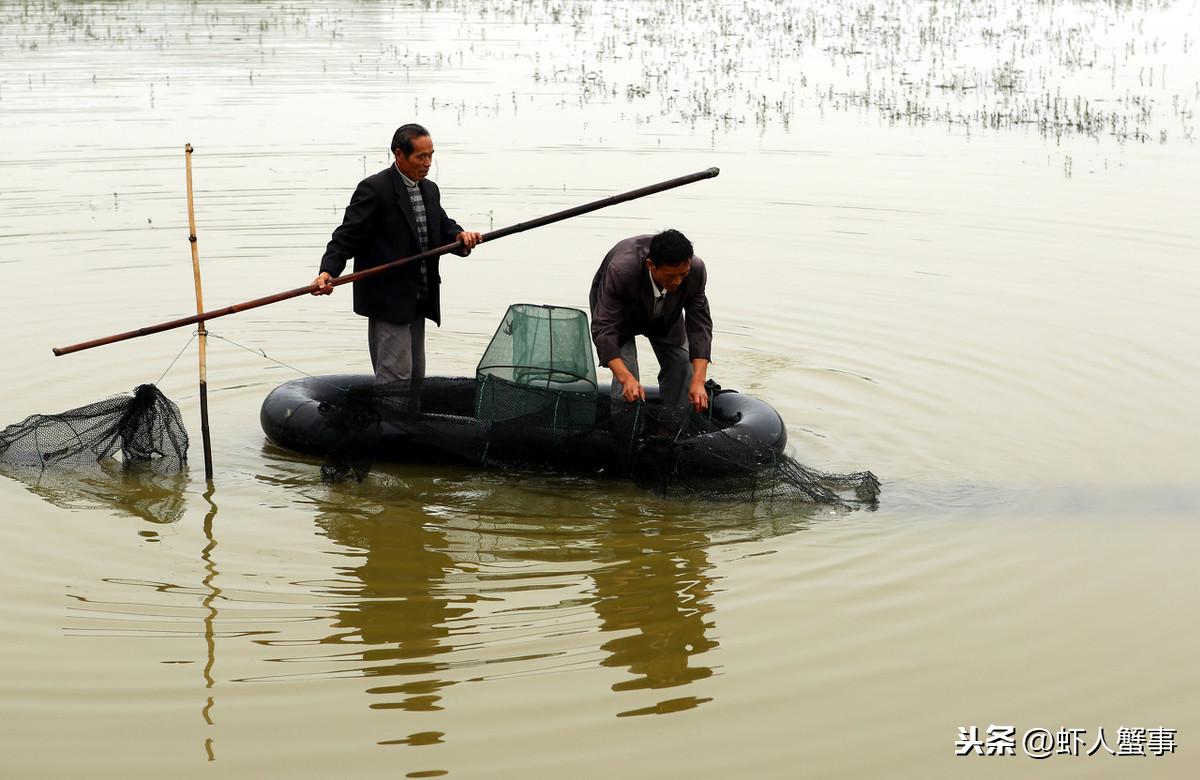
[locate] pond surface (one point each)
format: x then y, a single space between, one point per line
954 244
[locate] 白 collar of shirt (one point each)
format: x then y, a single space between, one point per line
407 181
654 288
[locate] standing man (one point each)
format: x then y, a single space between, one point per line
653 286
393 214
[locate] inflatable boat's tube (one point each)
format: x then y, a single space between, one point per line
292 418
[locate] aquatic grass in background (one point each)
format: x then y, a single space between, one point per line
1099 69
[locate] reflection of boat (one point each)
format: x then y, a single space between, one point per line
304 415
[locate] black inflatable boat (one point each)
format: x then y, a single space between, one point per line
308 416
534 402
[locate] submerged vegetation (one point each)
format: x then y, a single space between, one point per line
1102 69
1123 69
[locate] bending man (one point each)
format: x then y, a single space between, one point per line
653 286
393 214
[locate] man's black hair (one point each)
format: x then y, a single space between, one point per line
405 134
670 248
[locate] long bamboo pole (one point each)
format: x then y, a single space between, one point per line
204 432
520 227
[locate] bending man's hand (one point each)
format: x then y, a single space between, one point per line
697 393
469 240
323 284
631 389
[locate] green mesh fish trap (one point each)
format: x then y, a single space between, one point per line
538 368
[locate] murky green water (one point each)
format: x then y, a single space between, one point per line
950 243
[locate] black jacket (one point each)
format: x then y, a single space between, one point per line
379 227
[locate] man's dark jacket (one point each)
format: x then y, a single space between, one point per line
622 303
379 227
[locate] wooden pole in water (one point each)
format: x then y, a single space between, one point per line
204 433
558 216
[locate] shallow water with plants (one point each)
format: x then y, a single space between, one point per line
951 243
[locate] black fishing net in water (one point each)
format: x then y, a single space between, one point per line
143 427
710 457
461 420
534 404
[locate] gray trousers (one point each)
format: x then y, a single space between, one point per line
674 377
397 351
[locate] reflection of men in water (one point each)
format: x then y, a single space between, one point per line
393 214
400 617
653 286
656 596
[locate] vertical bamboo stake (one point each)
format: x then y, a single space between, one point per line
208 467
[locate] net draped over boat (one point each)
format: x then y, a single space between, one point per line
534 403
